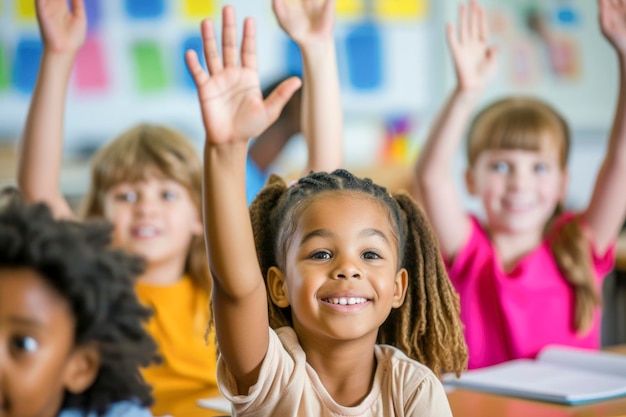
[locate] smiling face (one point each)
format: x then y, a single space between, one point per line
519 189
38 360
154 218
341 276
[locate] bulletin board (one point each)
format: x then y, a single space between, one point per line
552 49
131 68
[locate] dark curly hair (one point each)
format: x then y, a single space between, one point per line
97 281
427 326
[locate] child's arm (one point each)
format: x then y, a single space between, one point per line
310 25
434 187
233 111
607 206
63 33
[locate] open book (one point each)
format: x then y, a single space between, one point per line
559 374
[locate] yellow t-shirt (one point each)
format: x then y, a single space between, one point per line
178 326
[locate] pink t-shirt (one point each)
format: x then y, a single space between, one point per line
513 315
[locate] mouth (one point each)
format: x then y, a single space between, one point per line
145 232
345 300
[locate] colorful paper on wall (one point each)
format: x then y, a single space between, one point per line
149 66
199 8
349 7
294 58
90 70
92 7
26 64
400 9
4 69
25 9
363 53
144 9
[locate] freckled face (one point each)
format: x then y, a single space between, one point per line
342 268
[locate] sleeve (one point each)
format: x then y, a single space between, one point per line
429 399
274 376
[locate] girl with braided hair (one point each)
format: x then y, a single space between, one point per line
310 283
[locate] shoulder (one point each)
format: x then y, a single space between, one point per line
120 409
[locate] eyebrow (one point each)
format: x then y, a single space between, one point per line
327 233
25 321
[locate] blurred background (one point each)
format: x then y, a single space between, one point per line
394 69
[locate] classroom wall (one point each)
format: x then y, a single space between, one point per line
393 63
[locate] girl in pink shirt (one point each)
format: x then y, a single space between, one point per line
530 274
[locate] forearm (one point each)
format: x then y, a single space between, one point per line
434 162
322 115
228 229
41 149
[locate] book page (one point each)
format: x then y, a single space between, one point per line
582 359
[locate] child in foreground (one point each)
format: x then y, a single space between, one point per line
71 328
530 274
310 281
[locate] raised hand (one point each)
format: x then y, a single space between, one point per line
231 102
305 20
474 59
62 30
613 23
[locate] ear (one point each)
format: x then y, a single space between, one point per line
197 228
400 287
470 182
277 287
81 369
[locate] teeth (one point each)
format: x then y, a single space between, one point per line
347 300
146 231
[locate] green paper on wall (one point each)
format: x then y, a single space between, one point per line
149 67
4 69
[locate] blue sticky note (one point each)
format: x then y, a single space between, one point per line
144 9
92 7
26 64
195 43
566 16
363 56
293 58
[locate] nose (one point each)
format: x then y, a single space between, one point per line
347 268
518 179
146 205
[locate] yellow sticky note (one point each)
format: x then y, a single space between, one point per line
401 9
26 9
199 8
349 7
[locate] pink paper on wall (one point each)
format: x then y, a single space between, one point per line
90 71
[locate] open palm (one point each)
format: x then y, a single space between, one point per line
474 59
613 22
230 97
62 30
303 19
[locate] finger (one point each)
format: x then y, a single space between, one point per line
277 100
78 7
328 11
483 25
209 44
451 37
248 45
229 37
278 7
195 69
473 20
463 30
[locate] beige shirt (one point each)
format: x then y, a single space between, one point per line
289 386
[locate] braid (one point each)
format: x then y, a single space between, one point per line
427 326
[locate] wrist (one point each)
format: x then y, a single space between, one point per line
317 47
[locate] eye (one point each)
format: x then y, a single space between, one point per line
500 167
169 195
321 255
126 196
25 344
541 168
370 254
